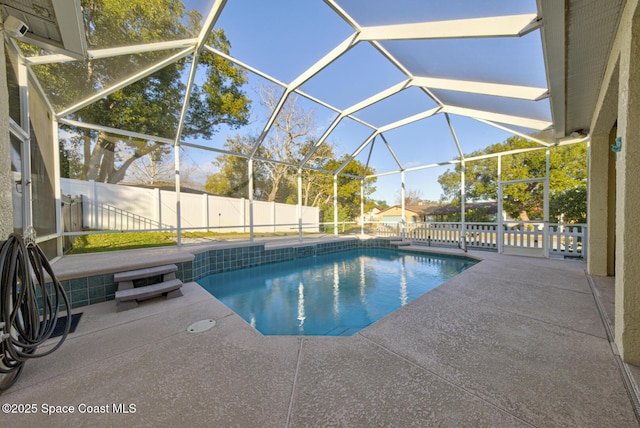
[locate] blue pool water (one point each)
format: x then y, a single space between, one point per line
335 294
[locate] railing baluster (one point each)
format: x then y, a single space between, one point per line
486 235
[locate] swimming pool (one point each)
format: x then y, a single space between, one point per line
335 294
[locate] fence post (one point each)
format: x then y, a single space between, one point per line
93 203
273 216
157 207
242 216
205 210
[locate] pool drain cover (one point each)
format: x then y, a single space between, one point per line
200 326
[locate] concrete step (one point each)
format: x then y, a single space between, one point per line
144 273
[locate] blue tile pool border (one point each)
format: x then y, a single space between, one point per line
88 290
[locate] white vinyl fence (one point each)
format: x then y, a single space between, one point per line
119 207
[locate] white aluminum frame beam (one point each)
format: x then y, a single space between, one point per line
496 26
366 165
393 154
513 131
525 122
316 68
410 119
322 139
354 108
245 66
71 25
123 83
357 152
434 165
116 131
114 52
207 26
322 63
343 14
454 136
473 158
495 89
377 97
554 45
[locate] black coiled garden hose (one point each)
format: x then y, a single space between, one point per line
22 327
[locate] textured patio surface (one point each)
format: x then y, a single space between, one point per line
511 342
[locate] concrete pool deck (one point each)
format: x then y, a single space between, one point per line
512 341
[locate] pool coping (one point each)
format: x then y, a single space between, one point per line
89 278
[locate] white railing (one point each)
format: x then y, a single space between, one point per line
387 229
481 235
524 234
435 233
565 240
568 240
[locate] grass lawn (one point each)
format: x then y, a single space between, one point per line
100 242
131 240
121 241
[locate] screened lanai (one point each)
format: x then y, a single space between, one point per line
335 117
383 98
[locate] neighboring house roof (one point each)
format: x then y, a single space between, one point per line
397 207
446 209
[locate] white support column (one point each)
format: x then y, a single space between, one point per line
243 217
335 205
250 172
274 216
300 204
402 196
404 214
93 205
205 211
27 194
463 195
176 160
500 231
56 186
157 206
545 209
361 207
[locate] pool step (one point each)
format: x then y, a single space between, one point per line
168 272
401 243
128 295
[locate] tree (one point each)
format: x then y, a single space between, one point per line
571 205
314 183
289 140
151 105
522 200
232 178
70 162
349 190
411 197
152 169
381 204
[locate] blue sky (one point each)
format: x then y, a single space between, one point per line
283 38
